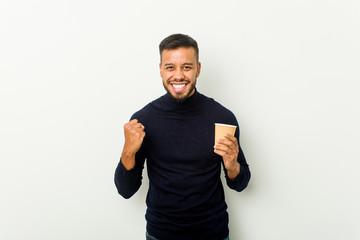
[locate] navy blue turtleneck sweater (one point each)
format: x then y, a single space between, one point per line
185 200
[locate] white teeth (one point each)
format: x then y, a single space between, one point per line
179 86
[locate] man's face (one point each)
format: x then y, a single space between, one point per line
179 69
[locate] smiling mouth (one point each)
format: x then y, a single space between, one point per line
178 87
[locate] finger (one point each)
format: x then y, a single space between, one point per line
226 155
128 125
221 147
226 150
221 153
133 121
224 142
231 145
133 124
136 131
138 126
231 138
138 134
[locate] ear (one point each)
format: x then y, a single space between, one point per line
160 68
198 69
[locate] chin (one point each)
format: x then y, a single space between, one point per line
180 97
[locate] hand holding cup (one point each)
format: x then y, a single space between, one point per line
226 145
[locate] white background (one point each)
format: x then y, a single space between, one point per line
73 72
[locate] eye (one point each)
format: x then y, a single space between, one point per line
187 67
169 67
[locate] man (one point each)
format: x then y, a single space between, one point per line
175 134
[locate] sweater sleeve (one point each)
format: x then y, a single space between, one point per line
242 180
128 182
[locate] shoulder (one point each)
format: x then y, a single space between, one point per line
217 111
148 111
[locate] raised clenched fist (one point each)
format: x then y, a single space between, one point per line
134 136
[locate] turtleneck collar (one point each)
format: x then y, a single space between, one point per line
168 103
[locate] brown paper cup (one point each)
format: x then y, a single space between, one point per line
221 129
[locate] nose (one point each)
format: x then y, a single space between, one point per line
178 74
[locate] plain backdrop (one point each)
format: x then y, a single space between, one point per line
73 72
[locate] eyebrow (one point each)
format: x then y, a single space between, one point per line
170 64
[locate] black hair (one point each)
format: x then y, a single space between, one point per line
178 40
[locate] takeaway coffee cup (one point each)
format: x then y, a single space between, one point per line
221 129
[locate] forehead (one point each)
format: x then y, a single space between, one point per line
178 55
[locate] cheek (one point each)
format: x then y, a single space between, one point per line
166 75
191 76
